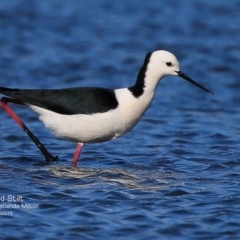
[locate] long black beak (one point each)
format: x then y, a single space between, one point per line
182 75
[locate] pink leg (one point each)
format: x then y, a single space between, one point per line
4 103
77 153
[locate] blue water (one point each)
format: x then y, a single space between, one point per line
176 175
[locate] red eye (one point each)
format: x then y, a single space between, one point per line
169 64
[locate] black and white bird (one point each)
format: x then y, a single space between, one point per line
92 114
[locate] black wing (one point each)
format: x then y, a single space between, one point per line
69 101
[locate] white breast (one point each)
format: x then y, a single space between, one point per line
131 108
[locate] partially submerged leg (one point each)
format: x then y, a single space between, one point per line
77 153
48 156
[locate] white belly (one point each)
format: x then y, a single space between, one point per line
83 128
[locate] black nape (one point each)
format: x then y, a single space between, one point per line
138 89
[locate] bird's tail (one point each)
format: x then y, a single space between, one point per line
11 92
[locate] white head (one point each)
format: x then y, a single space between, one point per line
162 63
